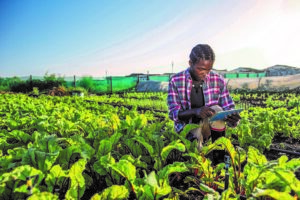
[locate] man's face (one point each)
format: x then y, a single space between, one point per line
201 69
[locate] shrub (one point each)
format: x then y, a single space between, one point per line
49 82
87 83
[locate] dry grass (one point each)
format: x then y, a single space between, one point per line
276 82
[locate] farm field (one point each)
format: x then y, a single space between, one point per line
123 146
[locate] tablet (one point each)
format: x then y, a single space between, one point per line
222 115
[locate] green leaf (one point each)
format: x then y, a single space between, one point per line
254 156
68 155
145 144
157 163
258 174
85 150
151 179
125 169
39 159
293 164
164 173
134 147
116 192
77 187
12 124
154 189
203 164
229 194
55 177
241 155
199 157
187 129
43 196
135 161
2 188
211 193
207 189
48 144
173 145
114 139
13 159
272 193
289 178
104 148
219 167
26 174
101 166
21 136
214 146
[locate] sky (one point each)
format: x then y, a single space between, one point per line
120 37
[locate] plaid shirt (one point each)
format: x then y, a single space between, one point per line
179 92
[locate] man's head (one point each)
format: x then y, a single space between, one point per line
201 61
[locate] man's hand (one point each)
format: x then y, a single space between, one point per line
204 112
232 120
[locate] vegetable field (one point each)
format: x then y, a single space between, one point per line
123 146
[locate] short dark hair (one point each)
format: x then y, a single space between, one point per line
202 52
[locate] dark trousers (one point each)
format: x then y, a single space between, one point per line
218 155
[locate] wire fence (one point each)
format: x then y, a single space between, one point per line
109 84
244 75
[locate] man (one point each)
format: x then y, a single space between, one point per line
193 91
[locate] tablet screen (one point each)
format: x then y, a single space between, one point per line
222 115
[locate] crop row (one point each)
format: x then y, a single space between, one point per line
68 148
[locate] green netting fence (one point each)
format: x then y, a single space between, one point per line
244 75
110 84
165 78
122 83
104 84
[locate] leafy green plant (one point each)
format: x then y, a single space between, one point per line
73 148
264 176
35 91
117 192
20 183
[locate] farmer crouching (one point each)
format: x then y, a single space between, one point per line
192 92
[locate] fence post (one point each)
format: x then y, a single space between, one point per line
30 81
111 88
259 82
74 81
109 84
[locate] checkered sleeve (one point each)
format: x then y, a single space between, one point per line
174 106
173 101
